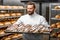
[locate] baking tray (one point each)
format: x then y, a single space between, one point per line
6 31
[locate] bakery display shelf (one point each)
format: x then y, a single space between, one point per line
55 30
5 26
3 11
54 18
55 9
6 34
54 37
9 17
14 9
11 11
19 38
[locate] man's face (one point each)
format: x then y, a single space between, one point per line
30 9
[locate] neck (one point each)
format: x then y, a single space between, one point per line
32 14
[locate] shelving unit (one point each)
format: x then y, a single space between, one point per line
53 12
53 20
10 18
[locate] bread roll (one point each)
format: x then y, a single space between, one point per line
58 35
1 23
2 32
18 14
14 7
1 15
7 14
58 23
13 14
2 7
20 35
9 7
7 39
13 22
57 16
54 35
57 7
58 26
15 36
53 26
7 23
20 7
6 7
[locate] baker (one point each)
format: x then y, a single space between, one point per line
32 18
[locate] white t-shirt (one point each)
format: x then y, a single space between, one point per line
34 19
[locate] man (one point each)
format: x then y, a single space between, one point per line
31 18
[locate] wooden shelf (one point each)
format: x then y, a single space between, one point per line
55 9
5 26
3 35
14 9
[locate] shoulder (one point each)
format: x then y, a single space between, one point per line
40 16
23 16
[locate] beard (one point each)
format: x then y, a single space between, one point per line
30 13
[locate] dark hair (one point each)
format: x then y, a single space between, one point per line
31 3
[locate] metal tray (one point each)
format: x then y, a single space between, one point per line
6 31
